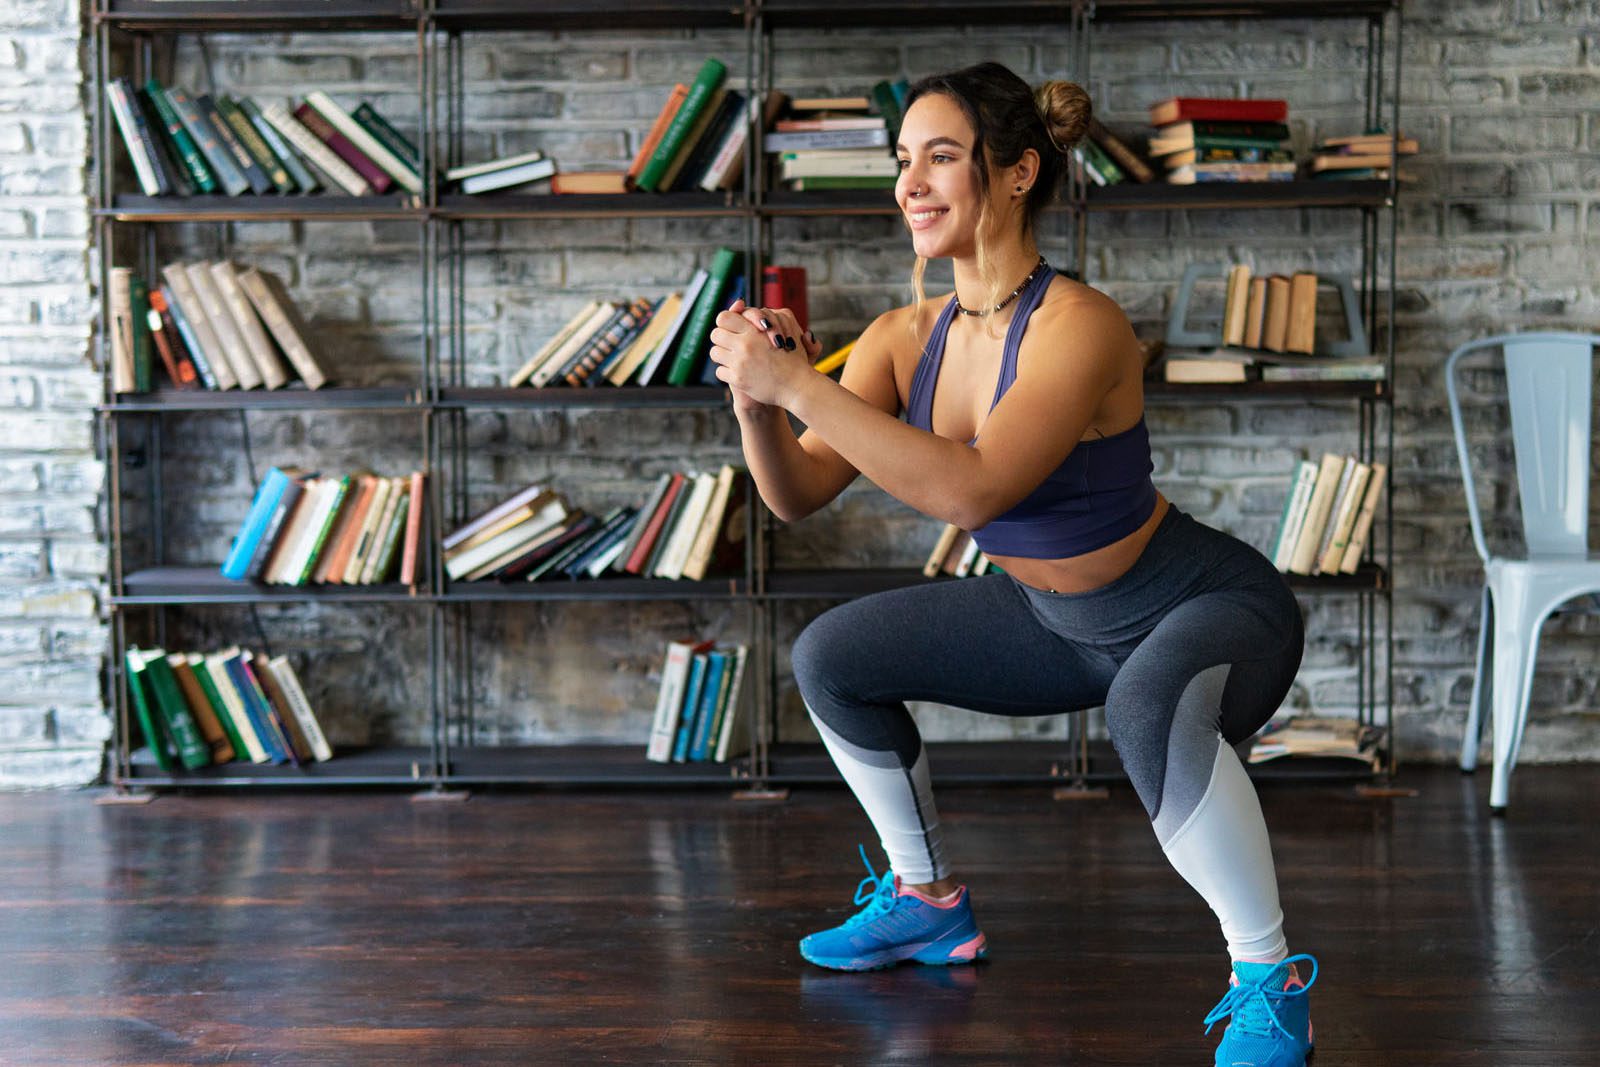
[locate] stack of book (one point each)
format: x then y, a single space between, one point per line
182 145
518 172
1268 321
303 528
212 325
1328 515
641 340
956 554
1205 139
691 524
697 141
1366 155
1304 738
195 710
698 704
837 142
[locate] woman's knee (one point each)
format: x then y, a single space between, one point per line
820 656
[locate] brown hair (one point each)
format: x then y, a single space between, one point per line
1007 118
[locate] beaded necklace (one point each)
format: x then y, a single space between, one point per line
1014 293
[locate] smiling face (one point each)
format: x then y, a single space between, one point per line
939 191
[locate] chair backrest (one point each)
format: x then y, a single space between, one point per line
1548 389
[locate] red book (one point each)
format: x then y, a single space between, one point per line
652 530
1213 109
180 368
408 558
785 287
376 176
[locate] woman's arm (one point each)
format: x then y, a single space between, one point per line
1065 372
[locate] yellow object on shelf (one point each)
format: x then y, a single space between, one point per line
829 363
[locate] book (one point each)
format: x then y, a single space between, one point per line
139 326
174 356
486 518
1225 154
386 538
289 683
612 530
155 736
364 143
695 341
1294 514
605 344
686 527
270 542
304 181
255 177
694 689
287 544
353 157
543 513
224 691
592 183
535 170
669 108
706 82
1179 108
366 537
209 141
1120 152
183 143
1310 536
721 537
1207 369
785 288
1357 546
642 515
941 549
728 716
1340 492
1307 738
1192 173
316 152
709 112
729 112
277 311
181 330
195 663
334 495
167 699
271 732
1255 312
267 679
600 316
1328 369
387 134
255 523
705 715
638 559
470 170
260 153
223 325
413 535
561 337
265 359
1302 325
650 370
788 142
1343 522
669 698
335 556
1234 304
563 548
633 354
205 347
119 299
830 103
136 140
1275 324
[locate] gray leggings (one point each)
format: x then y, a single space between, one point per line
1201 638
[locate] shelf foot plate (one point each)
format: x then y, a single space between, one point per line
439 796
1080 791
120 797
762 793
1381 792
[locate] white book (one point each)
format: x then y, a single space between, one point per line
730 713
705 540
474 526
223 324
368 532
282 325
369 145
177 278
122 329
142 167
598 565
1294 514
326 493
546 370
969 556
216 666
316 151
551 514
1363 527
504 179
393 512
295 694
469 170
1305 548
289 541
730 154
669 700
1346 473
684 531
1344 519
267 362
691 294
562 336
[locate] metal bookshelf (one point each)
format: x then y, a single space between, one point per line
441 402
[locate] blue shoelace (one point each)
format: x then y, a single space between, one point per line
876 891
1253 1004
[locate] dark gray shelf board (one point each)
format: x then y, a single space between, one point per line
172 584
276 15
590 206
587 764
578 14
363 765
1179 392
1172 10
610 587
1308 193
133 207
604 396
844 584
288 398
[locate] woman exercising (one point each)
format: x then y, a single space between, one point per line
1024 424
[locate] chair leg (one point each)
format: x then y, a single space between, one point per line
1516 646
1472 735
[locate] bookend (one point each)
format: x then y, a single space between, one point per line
1181 335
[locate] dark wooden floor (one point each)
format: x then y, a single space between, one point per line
654 928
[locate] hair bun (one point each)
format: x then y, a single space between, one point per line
1065 109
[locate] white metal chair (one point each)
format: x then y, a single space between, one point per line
1548 379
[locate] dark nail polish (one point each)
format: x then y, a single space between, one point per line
765 325
788 342
811 337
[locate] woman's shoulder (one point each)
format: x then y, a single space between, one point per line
1077 302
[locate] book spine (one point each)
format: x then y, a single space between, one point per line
268 541
188 153
282 328
151 181
259 151
119 301
1294 514
669 699
184 328
254 176
730 153
255 525
387 135
180 369
155 738
711 74
228 174
691 705
364 142
189 309
669 110
357 160
309 145
633 316
705 717
730 707
193 752
414 515
304 180
236 353
143 341
694 341
295 693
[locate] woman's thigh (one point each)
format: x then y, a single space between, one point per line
973 643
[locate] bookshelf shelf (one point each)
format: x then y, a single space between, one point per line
132 207
604 588
289 398
1312 193
177 584
608 396
436 29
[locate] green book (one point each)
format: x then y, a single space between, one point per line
322 534
301 174
192 749
694 340
139 298
842 181
389 548
154 737
367 117
884 99
208 686
705 83
1101 162
187 151
258 149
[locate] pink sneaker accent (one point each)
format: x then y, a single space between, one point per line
969 950
938 902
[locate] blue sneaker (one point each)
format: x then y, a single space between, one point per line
1271 1024
897 925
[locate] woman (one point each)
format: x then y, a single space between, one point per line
1024 424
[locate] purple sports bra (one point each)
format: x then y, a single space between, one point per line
1101 492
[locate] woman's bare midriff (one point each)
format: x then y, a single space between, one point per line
1080 574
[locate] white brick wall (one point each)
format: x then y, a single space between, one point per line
1500 230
